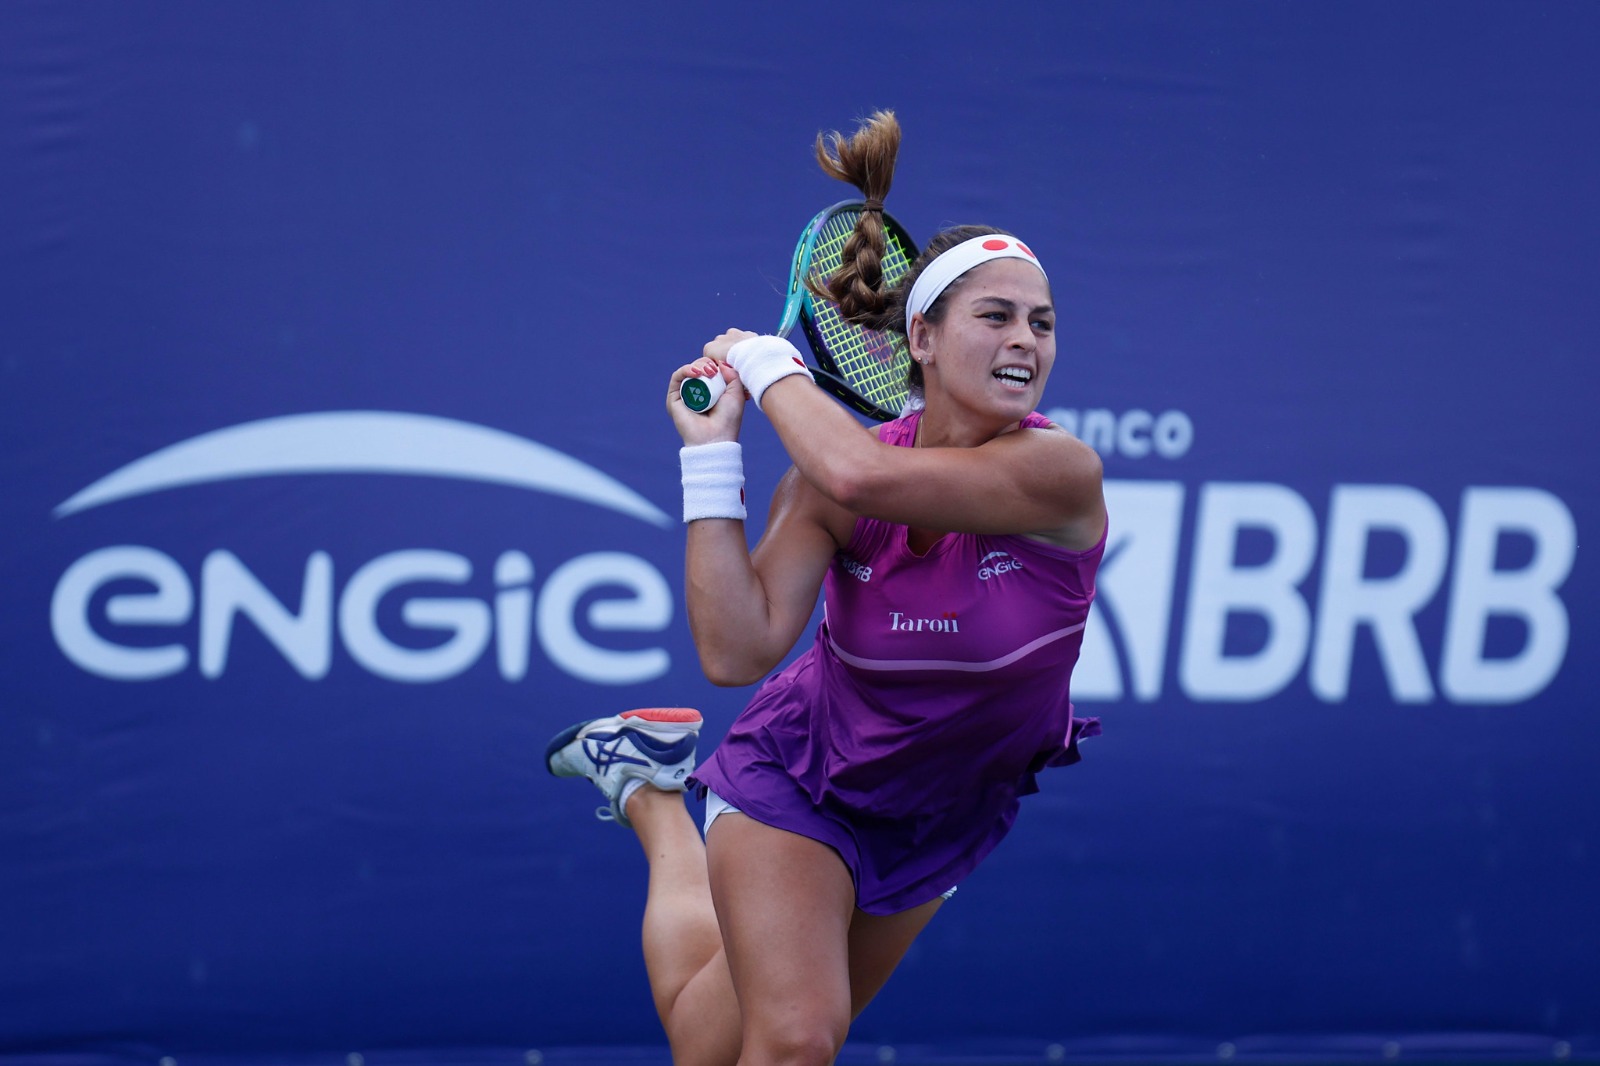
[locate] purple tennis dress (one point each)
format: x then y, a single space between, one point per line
935 691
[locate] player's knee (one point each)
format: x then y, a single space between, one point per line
796 1040
694 1043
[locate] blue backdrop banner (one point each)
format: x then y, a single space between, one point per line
332 356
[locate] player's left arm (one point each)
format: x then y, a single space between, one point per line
1039 482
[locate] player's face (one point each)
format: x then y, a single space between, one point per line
996 345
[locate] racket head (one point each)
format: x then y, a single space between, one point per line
866 368
799 263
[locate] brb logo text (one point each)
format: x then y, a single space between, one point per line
363 441
1313 621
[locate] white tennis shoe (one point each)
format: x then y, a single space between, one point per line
650 746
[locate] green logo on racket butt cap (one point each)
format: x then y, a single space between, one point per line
701 394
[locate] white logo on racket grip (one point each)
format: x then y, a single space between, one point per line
856 569
996 563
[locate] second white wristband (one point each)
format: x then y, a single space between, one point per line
713 480
761 361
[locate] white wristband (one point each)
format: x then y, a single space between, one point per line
713 480
761 361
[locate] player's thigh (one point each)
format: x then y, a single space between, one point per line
877 943
784 903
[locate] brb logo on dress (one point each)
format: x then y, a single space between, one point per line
120 611
856 569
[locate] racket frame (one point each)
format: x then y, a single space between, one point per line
798 308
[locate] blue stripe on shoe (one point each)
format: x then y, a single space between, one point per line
605 749
664 751
559 741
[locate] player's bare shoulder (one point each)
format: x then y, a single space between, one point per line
796 499
1075 451
1075 476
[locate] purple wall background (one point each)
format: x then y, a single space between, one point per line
1299 251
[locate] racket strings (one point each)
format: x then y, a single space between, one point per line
871 362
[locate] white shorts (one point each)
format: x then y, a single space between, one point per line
716 807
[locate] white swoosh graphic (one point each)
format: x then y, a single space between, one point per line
962 665
365 442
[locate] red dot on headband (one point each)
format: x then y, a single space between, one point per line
995 245
1026 249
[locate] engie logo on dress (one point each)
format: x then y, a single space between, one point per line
114 633
996 563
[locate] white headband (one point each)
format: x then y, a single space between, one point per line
950 265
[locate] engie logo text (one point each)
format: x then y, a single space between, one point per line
130 633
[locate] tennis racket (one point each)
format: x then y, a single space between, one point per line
865 368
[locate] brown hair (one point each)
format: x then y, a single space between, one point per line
866 160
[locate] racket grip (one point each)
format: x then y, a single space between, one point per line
702 394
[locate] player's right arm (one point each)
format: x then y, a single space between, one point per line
747 608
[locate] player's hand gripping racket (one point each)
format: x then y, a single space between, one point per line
863 367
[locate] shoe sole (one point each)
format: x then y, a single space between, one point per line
682 715
658 715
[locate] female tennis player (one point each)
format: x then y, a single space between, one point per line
956 550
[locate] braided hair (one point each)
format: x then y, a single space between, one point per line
866 160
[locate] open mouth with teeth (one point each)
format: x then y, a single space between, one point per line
1013 377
